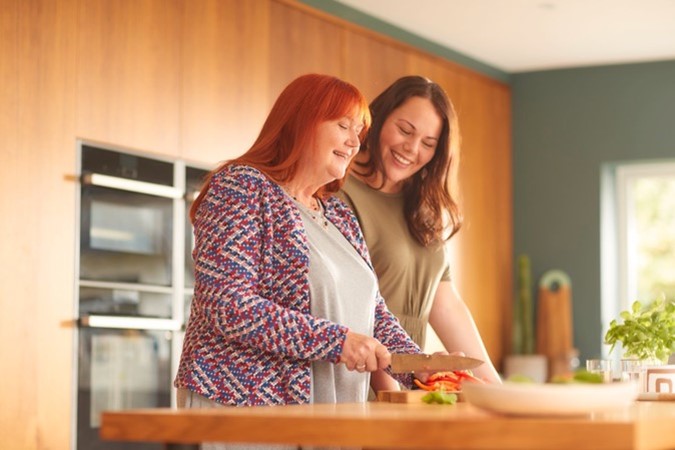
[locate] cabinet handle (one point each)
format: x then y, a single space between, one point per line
124 184
128 322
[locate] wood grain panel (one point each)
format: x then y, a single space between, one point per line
437 70
225 77
11 327
301 43
476 278
638 425
503 187
129 73
9 28
483 282
38 295
371 64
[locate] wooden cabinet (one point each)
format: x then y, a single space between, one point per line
483 255
301 43
128 73
37 85
372 64
225 77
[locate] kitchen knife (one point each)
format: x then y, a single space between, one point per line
421 362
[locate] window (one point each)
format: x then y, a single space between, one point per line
638 235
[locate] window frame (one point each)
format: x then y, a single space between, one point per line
619 289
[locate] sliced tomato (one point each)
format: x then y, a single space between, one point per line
466 376
447 381
442 385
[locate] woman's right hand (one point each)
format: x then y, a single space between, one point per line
364 353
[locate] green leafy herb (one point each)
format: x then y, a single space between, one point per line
646 332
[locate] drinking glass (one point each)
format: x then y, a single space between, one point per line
630 369
602 367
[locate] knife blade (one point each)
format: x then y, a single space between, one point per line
421 362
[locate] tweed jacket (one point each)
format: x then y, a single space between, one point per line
250 338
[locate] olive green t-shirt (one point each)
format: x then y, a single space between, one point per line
408 273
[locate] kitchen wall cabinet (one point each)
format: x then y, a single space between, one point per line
225 77
128 73
190 80
370 74
37 206
302 43
482 262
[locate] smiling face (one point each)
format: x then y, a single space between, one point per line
335 144
408 140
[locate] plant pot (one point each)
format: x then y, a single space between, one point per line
534 367
651 375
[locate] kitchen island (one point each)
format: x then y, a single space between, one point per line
642 425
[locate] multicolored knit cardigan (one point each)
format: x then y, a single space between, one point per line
250 338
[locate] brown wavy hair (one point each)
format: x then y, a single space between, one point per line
430 207
291 126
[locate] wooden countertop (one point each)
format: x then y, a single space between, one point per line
642 425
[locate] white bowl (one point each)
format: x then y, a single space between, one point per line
549 399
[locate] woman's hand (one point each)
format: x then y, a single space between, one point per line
364 353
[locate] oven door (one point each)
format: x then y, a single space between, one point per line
120 369
125 237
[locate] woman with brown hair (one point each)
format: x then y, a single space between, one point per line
402 191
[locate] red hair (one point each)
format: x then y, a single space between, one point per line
291 126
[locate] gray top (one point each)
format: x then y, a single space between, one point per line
343 290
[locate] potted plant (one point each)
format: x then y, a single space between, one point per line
647 332
524 316
523 361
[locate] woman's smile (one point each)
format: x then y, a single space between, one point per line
400 158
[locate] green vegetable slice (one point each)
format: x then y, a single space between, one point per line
440 398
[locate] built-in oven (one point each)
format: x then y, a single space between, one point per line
134 283
120 369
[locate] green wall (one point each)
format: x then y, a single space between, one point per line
566 124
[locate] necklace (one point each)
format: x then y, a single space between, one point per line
316 211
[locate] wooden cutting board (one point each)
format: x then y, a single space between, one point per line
656 397
554 321
407 396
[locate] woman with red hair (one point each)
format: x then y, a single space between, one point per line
286 307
